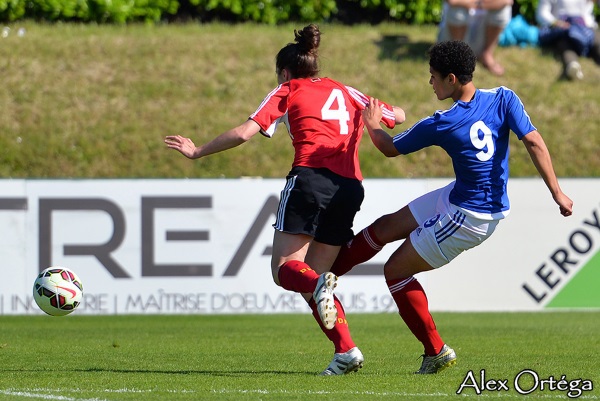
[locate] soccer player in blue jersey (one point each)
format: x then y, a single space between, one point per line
441 224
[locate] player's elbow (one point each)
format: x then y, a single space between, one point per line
244 136
246 131
534 142
387 148
390 152
383 142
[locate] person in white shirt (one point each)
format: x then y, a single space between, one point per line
570 29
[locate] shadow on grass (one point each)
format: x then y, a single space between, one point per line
400 47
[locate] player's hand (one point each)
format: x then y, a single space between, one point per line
399 114
184 145
565 204
561 24
372 113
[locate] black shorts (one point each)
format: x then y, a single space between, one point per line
319 203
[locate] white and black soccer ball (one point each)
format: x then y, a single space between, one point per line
57 291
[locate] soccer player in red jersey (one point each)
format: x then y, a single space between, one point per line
323 190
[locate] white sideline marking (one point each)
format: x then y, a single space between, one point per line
556 395
29 394
45 393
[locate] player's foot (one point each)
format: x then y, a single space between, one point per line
489 63
439 362
573 71
323 297
346 362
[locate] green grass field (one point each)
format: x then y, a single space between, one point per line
278 357
89 101
95 101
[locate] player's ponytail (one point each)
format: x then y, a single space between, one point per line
301 58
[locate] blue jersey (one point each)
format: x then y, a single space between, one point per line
475 135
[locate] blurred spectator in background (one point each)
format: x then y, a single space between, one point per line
479 23
569 28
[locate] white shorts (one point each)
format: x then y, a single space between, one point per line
475 21
445 230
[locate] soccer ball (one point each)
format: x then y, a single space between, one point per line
57 291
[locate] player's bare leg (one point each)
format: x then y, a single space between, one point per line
492 34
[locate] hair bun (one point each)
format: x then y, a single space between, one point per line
308 38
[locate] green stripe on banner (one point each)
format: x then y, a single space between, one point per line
583 291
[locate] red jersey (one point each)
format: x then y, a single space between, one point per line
324 120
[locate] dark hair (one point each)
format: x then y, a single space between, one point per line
453 57
300 58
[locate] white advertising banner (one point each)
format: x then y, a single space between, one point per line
204 246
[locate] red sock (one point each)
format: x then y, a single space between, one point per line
361 248
340 334
414 310
297 276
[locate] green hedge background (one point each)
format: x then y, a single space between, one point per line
270 12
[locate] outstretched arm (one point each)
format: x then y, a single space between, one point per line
381 139
227 140
540 156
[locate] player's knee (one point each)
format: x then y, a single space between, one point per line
275 274
392 227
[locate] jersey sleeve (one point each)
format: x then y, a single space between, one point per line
518 119
362 100
417 137
272 110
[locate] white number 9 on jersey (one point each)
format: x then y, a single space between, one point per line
485 143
